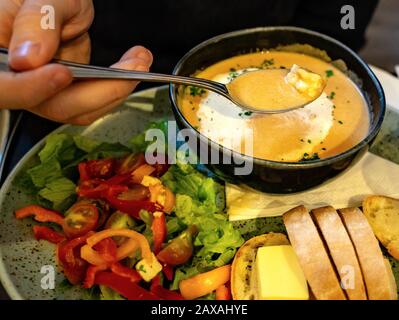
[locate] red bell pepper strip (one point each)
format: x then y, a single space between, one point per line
83 174
223 293
93 189
159 231
118 179
123 286
40 214
46 233
107 249
130 207
91 275
166 294
68 254
168 271
126 272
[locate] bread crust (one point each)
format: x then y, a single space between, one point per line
383 215
341 251
375 273
243 279
312 255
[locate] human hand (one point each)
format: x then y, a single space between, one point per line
47 89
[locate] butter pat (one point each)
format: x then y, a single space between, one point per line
279 274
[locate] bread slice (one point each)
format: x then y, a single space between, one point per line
243 277
383 215
375 273
341 251
312 255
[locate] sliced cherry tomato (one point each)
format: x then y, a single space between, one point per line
68 256
100 169
180 249
81 218
131 207
159 231
46 233
40 214
123 286
130 163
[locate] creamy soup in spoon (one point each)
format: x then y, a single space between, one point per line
330 125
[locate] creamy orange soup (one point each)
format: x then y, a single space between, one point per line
330 125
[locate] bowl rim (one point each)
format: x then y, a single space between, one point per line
279 164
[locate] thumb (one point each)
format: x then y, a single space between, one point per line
35 39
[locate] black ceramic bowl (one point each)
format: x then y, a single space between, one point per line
273 176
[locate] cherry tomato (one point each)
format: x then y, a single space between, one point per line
81 218
180 249
135 192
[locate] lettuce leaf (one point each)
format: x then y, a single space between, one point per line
138 142
60 192
200 200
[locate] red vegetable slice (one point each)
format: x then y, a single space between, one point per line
46 233
159 231
123 286
40 214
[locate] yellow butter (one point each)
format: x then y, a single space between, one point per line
279 274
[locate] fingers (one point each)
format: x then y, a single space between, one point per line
76 50
33 45
85 101
8 10
30 88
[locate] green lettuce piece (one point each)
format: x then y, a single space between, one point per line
45 172
85 144
109 294
58 192
58 146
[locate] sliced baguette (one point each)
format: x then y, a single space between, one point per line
383 215
312 255
341 250
375 273
243 278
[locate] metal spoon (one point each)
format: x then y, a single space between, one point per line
84 71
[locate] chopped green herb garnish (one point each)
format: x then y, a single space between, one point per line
195 91
307 157
329 73
142 269
233 74
340 122
302 140
331 96
309 141
248 113
267 63
334 107
324 149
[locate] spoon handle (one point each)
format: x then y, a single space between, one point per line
85 71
